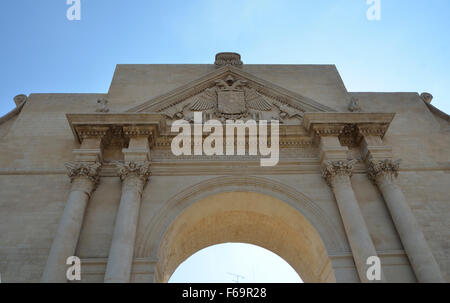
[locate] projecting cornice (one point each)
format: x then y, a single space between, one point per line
349 127
115 125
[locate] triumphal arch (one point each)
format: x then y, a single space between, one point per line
359 175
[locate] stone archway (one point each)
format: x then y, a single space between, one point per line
247 217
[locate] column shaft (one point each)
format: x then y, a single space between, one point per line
134 176
121 254
337 174
355 226
419 254
66 239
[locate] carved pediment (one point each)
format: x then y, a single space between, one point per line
230 93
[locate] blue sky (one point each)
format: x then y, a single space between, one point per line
42 52
224 262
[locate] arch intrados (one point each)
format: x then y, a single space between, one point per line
245 217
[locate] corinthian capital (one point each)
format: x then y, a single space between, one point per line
332 170
140 169
89 170
387 169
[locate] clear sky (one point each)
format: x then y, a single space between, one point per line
235 262
43 52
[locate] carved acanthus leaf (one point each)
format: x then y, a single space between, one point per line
140 169
383 168
333 169
88 170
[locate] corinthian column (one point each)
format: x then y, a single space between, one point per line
422 260
134 176
84 178
337 174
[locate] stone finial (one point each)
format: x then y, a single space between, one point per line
102 106
354 105
333 169
20 99
227 58
140 169
426 97
84 169
386 168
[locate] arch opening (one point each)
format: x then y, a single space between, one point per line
235 262
245 217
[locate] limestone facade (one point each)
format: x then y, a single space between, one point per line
93 175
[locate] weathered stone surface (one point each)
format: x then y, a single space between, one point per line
288 208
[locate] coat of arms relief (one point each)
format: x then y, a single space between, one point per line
232 98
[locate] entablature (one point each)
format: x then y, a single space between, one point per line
350 128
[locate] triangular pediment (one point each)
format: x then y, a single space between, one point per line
229 92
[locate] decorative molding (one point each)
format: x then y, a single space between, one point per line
133 131
349 127
139 169
86 132
335 169
89 170
313 119
116 127
350 135
328 130
184 168
279 94
375 129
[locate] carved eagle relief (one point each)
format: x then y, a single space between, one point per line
230 98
